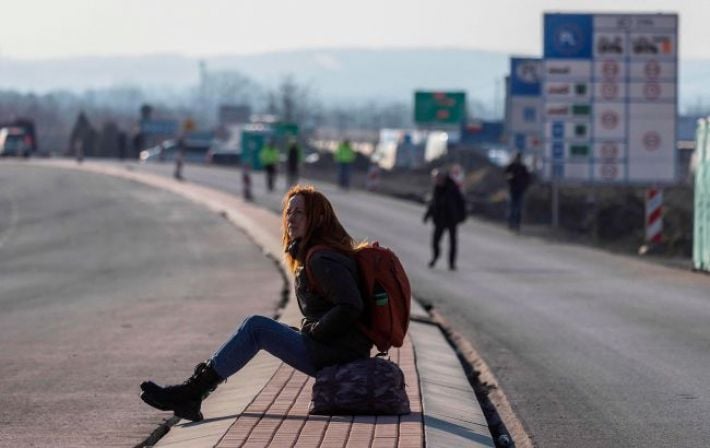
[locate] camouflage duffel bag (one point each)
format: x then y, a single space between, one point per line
373 386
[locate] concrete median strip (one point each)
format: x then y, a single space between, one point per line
448 413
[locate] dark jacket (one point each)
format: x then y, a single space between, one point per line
448 206
518 177
293 158
332 310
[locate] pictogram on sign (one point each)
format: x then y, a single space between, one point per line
610 150
651 140
610 70
651 91
610 91
609 171
610 119
652 69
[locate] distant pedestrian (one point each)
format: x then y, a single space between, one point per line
269 157
447 209
246 182
137 143
293 163
179 159
79 150
121 142
518 177
344 157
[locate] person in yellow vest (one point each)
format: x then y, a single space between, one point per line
269 157
344 157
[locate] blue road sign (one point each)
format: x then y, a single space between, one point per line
525 76
568 36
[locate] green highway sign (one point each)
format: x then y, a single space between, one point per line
432 108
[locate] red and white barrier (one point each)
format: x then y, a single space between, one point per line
654 215
372 181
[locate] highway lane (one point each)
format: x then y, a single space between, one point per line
592 349
104 283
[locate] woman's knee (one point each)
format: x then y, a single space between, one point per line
254 322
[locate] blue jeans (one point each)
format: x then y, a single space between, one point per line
515 210
257 333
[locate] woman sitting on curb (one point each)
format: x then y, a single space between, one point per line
329 333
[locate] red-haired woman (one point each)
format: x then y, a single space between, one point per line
329 332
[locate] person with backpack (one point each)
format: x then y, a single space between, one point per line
518 177
322 256
447 209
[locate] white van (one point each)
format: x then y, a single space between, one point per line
13 142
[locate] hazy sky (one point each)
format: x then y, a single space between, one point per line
35 29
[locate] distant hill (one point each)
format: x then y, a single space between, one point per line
334 75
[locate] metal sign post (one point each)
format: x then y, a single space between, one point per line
555 205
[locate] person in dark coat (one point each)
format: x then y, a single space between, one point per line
518 177
332 309
293 163
447 209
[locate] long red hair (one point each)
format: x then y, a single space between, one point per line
322 226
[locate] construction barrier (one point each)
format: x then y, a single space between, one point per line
654 215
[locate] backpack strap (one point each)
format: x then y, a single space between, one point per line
311 279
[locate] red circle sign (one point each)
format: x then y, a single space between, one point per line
610 69
652 69
609 150
610 119
652 90
651 140
609 171
610 91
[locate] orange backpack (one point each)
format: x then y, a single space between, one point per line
385 291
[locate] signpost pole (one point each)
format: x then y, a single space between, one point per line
555 205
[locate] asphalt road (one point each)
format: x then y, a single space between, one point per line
592 349
103 284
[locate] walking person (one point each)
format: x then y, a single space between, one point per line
447 209
329 332
269 157
293 163
344 157
518 178
179 159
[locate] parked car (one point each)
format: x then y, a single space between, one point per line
223 156
150 154
14 141
194 152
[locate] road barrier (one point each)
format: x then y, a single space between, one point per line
654 215
701 227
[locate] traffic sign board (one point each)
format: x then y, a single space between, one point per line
629 62
439 108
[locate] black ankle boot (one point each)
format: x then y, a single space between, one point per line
184 399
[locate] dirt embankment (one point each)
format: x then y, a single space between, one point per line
608 216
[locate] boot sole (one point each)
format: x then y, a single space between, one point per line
188 414
185 412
